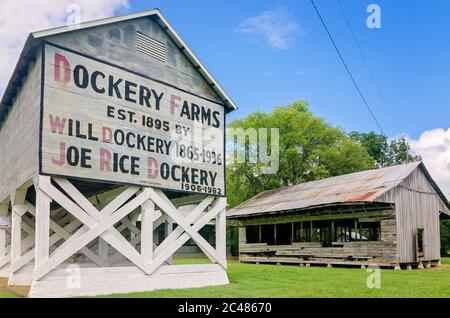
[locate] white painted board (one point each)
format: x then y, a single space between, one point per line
103 122
5 222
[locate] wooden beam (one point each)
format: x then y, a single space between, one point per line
148 208
221 234
16 236
2 243
42 228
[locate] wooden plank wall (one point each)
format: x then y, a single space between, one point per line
417 206
19 134
382 252
117 44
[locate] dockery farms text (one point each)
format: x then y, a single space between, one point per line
103 122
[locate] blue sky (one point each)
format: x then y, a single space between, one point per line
409 56
267 53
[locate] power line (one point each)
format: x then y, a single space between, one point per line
348 70
383 99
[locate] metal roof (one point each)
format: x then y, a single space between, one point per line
359 187
35 39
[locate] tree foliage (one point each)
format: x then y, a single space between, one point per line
385 152
310 149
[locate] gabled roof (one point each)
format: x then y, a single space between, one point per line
359 187
35 39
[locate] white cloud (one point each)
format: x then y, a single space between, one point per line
434 147
20 17
275 27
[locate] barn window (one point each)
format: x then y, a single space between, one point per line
284 234
252 234
268 234
370 231
150 47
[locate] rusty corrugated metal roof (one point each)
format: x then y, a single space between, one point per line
358 187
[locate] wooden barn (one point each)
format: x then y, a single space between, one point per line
385 217
102 124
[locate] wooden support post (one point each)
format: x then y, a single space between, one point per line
275 234
221 234
333 238
103 248
259 234
2 243
243 235
42 243
168 228
16 236
292 232
148 208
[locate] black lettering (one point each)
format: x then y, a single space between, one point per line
73 156
114 87
94 78
144 96
81 80
85 158
129 92
216 123
157 99
185 110
165 171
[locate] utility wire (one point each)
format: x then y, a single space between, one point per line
348 70
383 99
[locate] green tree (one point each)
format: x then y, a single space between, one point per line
310 149
385 152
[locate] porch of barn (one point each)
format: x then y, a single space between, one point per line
77 238
358 235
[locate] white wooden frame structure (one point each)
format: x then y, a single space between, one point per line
89 246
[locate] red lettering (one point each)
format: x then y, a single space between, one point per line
62 155
173 104
106 134
61 59
153 170
105 160
57 124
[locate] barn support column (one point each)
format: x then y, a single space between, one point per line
3 212
42 237
221 234
168 228
17 260
148 208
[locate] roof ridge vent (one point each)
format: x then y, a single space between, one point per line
150 47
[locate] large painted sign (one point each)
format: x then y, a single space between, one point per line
103 122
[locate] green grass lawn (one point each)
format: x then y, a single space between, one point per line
248 280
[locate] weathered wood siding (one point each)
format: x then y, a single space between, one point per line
116 44
417 206
19 134
382 252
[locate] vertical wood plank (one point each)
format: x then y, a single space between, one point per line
2 243
42 227
243 235
221 234
16 236
103 248
167 230
148 208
